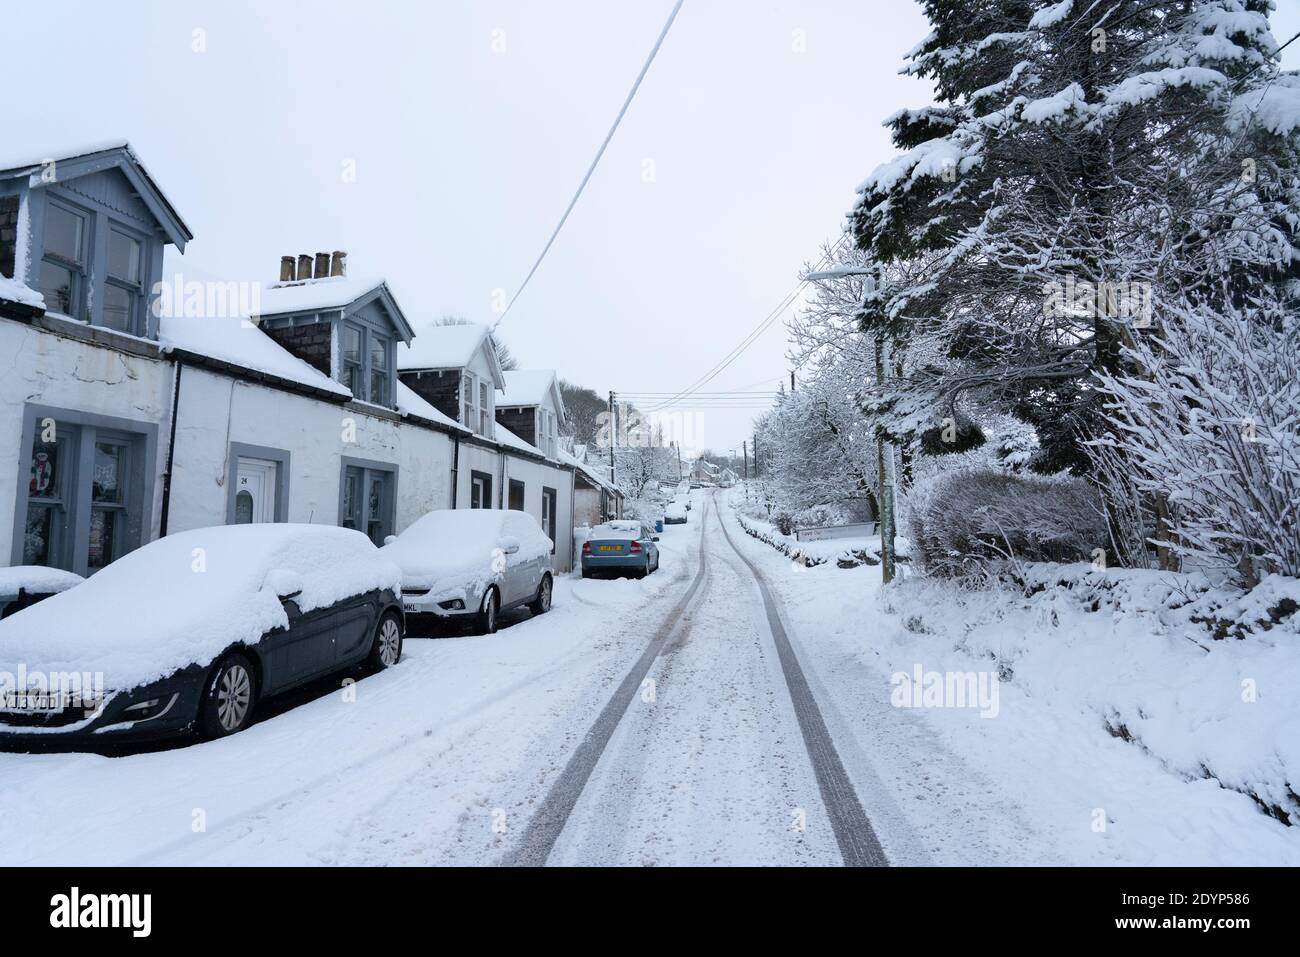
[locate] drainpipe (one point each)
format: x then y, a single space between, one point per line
455 468
171 454
501 492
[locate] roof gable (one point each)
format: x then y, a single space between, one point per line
531 387
64 166
450 347
333 294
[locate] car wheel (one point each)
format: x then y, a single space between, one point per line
487 616
542 603
231 693
387 649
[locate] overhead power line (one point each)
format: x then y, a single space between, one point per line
592 168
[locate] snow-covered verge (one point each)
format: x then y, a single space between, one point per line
1138 649
842 552
1047 776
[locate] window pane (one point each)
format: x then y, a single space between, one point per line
243 508
351 493
352 378
37 547
123 257
375 502
378 387
119 307
106 482
56 286
351 345
45 475
64 231
103 538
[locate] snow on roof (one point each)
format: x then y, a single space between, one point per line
509 439
25 159
243 344
441 347
526 387
588 471
410 403
314 295
14 291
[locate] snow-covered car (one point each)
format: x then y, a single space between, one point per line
675 514
191 632
473 564
620 546
24 585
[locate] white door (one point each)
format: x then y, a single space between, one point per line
255 481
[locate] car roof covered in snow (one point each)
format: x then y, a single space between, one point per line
449 548
186 598
35 580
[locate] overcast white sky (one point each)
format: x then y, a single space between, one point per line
466 157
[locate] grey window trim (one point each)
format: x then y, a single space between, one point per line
280 457
140 483
367 466
486 479
366 335
84 269
136 325
553 532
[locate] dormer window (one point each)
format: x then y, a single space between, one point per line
366 364
484 409
63 268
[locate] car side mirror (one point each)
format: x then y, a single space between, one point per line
509 545
285 584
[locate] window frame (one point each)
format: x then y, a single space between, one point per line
79 270
364 367
484 482
522 487
550 503
82 431
135 320
366 469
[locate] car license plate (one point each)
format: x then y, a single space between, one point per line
611 548
411 607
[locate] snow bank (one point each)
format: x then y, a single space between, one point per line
186 598
455 548
1136 649
843 552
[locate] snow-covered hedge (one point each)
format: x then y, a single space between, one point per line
964 520
1138 649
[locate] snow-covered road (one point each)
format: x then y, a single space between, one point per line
660 721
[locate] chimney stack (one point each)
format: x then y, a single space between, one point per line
286 269
339 266
304 266
322 265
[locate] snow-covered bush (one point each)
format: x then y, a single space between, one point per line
1206 440
961 521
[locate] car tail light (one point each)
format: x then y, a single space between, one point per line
586 548
636 547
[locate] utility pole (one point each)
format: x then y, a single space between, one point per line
613 434
678 447
745 448
792 380
756 455
885 455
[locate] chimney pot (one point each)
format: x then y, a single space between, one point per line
304 266
286 269
322 265
339 265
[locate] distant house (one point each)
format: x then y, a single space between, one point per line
122 419
533 408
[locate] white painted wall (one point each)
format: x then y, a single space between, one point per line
45 369
217 410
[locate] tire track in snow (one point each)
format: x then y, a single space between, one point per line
857 840
546 824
